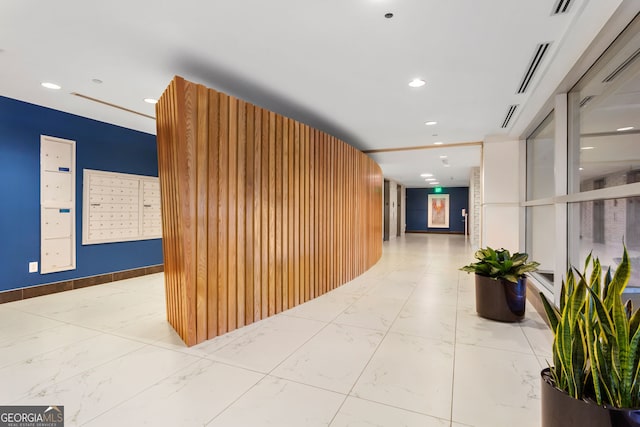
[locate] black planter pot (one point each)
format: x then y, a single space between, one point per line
561 410
500 299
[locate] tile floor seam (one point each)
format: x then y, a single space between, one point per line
455 347
34 388
392 406
298 348
139 393
386 333
53 349
79 342
284 313
235 400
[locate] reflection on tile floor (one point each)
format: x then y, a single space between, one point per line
400 345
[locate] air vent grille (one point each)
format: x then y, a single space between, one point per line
536 60
585 100
561 6
119 107
509 116
622 67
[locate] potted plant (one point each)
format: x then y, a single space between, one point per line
595 377
501 284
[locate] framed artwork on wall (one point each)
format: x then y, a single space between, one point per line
438 211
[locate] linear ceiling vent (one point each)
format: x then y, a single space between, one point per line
509 116
585 100
622 67
561 6
538 56
108 104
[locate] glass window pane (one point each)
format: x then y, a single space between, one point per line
541 241
605 120
599 227
540 160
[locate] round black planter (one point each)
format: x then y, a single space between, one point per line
500 299
561 410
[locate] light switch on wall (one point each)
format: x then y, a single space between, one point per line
33 267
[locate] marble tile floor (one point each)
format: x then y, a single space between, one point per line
400 345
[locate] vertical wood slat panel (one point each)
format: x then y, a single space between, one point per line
257 215
212 285
272 214
260 212
232 219
223 211
249 260
291 253
240 214
202 212
187 175
277 284
264 283
297 208
307 204
284 219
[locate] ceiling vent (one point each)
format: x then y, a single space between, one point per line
585 100
538 56
622 67
509 116
561 6
108 104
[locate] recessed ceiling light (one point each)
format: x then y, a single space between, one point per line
438 143
50 85
624 128
443 157
587 148
417 83
426 175
151 100
435 183
430 179
431 123
580 169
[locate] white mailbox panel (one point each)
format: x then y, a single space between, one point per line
57 204
56 187
120 207
57 223
56 155
57 254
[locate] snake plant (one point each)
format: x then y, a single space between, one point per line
596 346
500 264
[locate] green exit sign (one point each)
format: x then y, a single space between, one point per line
438 189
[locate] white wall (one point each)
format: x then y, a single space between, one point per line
475 207
393 210
502 215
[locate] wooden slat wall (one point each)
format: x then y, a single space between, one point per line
260 213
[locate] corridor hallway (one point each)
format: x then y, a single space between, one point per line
400 345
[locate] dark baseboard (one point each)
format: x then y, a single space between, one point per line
84 282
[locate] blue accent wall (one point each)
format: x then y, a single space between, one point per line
99 146
417 210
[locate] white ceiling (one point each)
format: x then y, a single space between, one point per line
337 65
